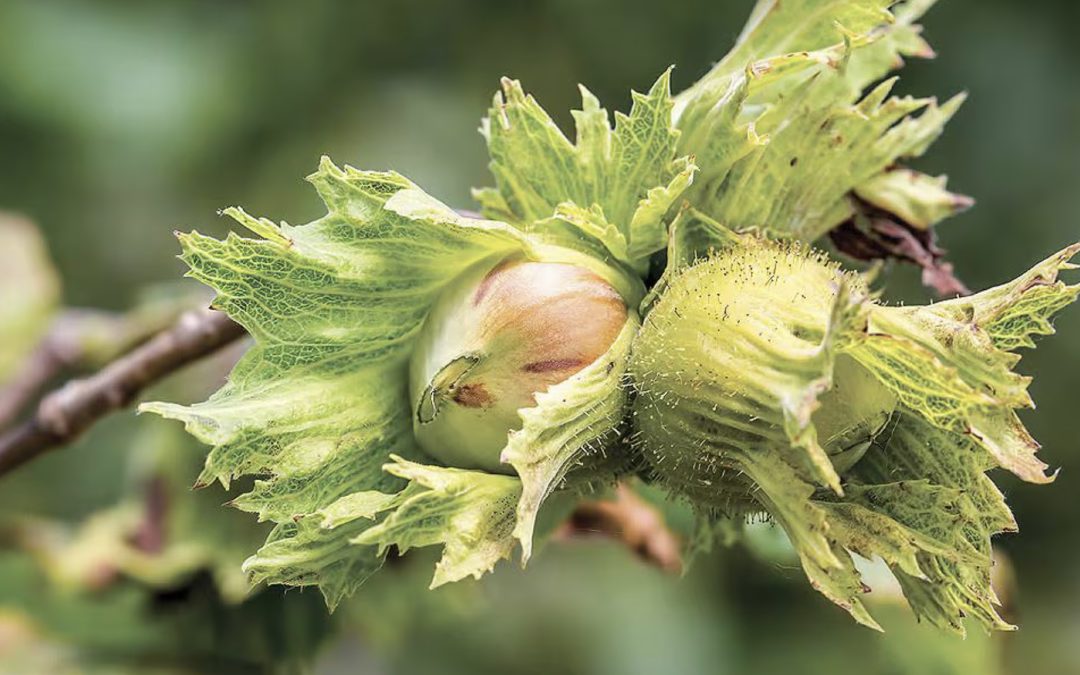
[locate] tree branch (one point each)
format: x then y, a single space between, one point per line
65 413
85 339
53 355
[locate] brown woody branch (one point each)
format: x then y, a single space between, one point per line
83 339
55 353
67 412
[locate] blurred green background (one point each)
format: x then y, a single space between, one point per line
122 121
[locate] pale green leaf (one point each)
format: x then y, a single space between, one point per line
303 552
616 170
945 363
781 128
777 28
919 200
583 237
750 350
1014 312
593 224
786 26
973 510
647 236
471 513
320 402
798 184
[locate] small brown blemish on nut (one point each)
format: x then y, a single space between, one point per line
472 396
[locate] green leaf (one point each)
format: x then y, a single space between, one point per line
753 356
784 27
320 402
592 224
646 230
471 513
776 29
314 550
317 549
950 362
972 511
630 173
798 183
931 537
1012 313
578 236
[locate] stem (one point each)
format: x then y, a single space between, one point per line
53 355
632 521
83 339
66 412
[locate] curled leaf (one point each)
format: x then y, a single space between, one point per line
782 128
575 422
320 402
471 513
872 235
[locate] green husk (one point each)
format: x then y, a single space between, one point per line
768 380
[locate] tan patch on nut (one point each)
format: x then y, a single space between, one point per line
472 396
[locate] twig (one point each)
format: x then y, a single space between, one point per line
632 521
56 353
64 414
87 339
73 341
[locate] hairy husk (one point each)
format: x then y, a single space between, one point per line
766 378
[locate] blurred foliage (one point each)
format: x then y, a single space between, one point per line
28 290
120 121
161 533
